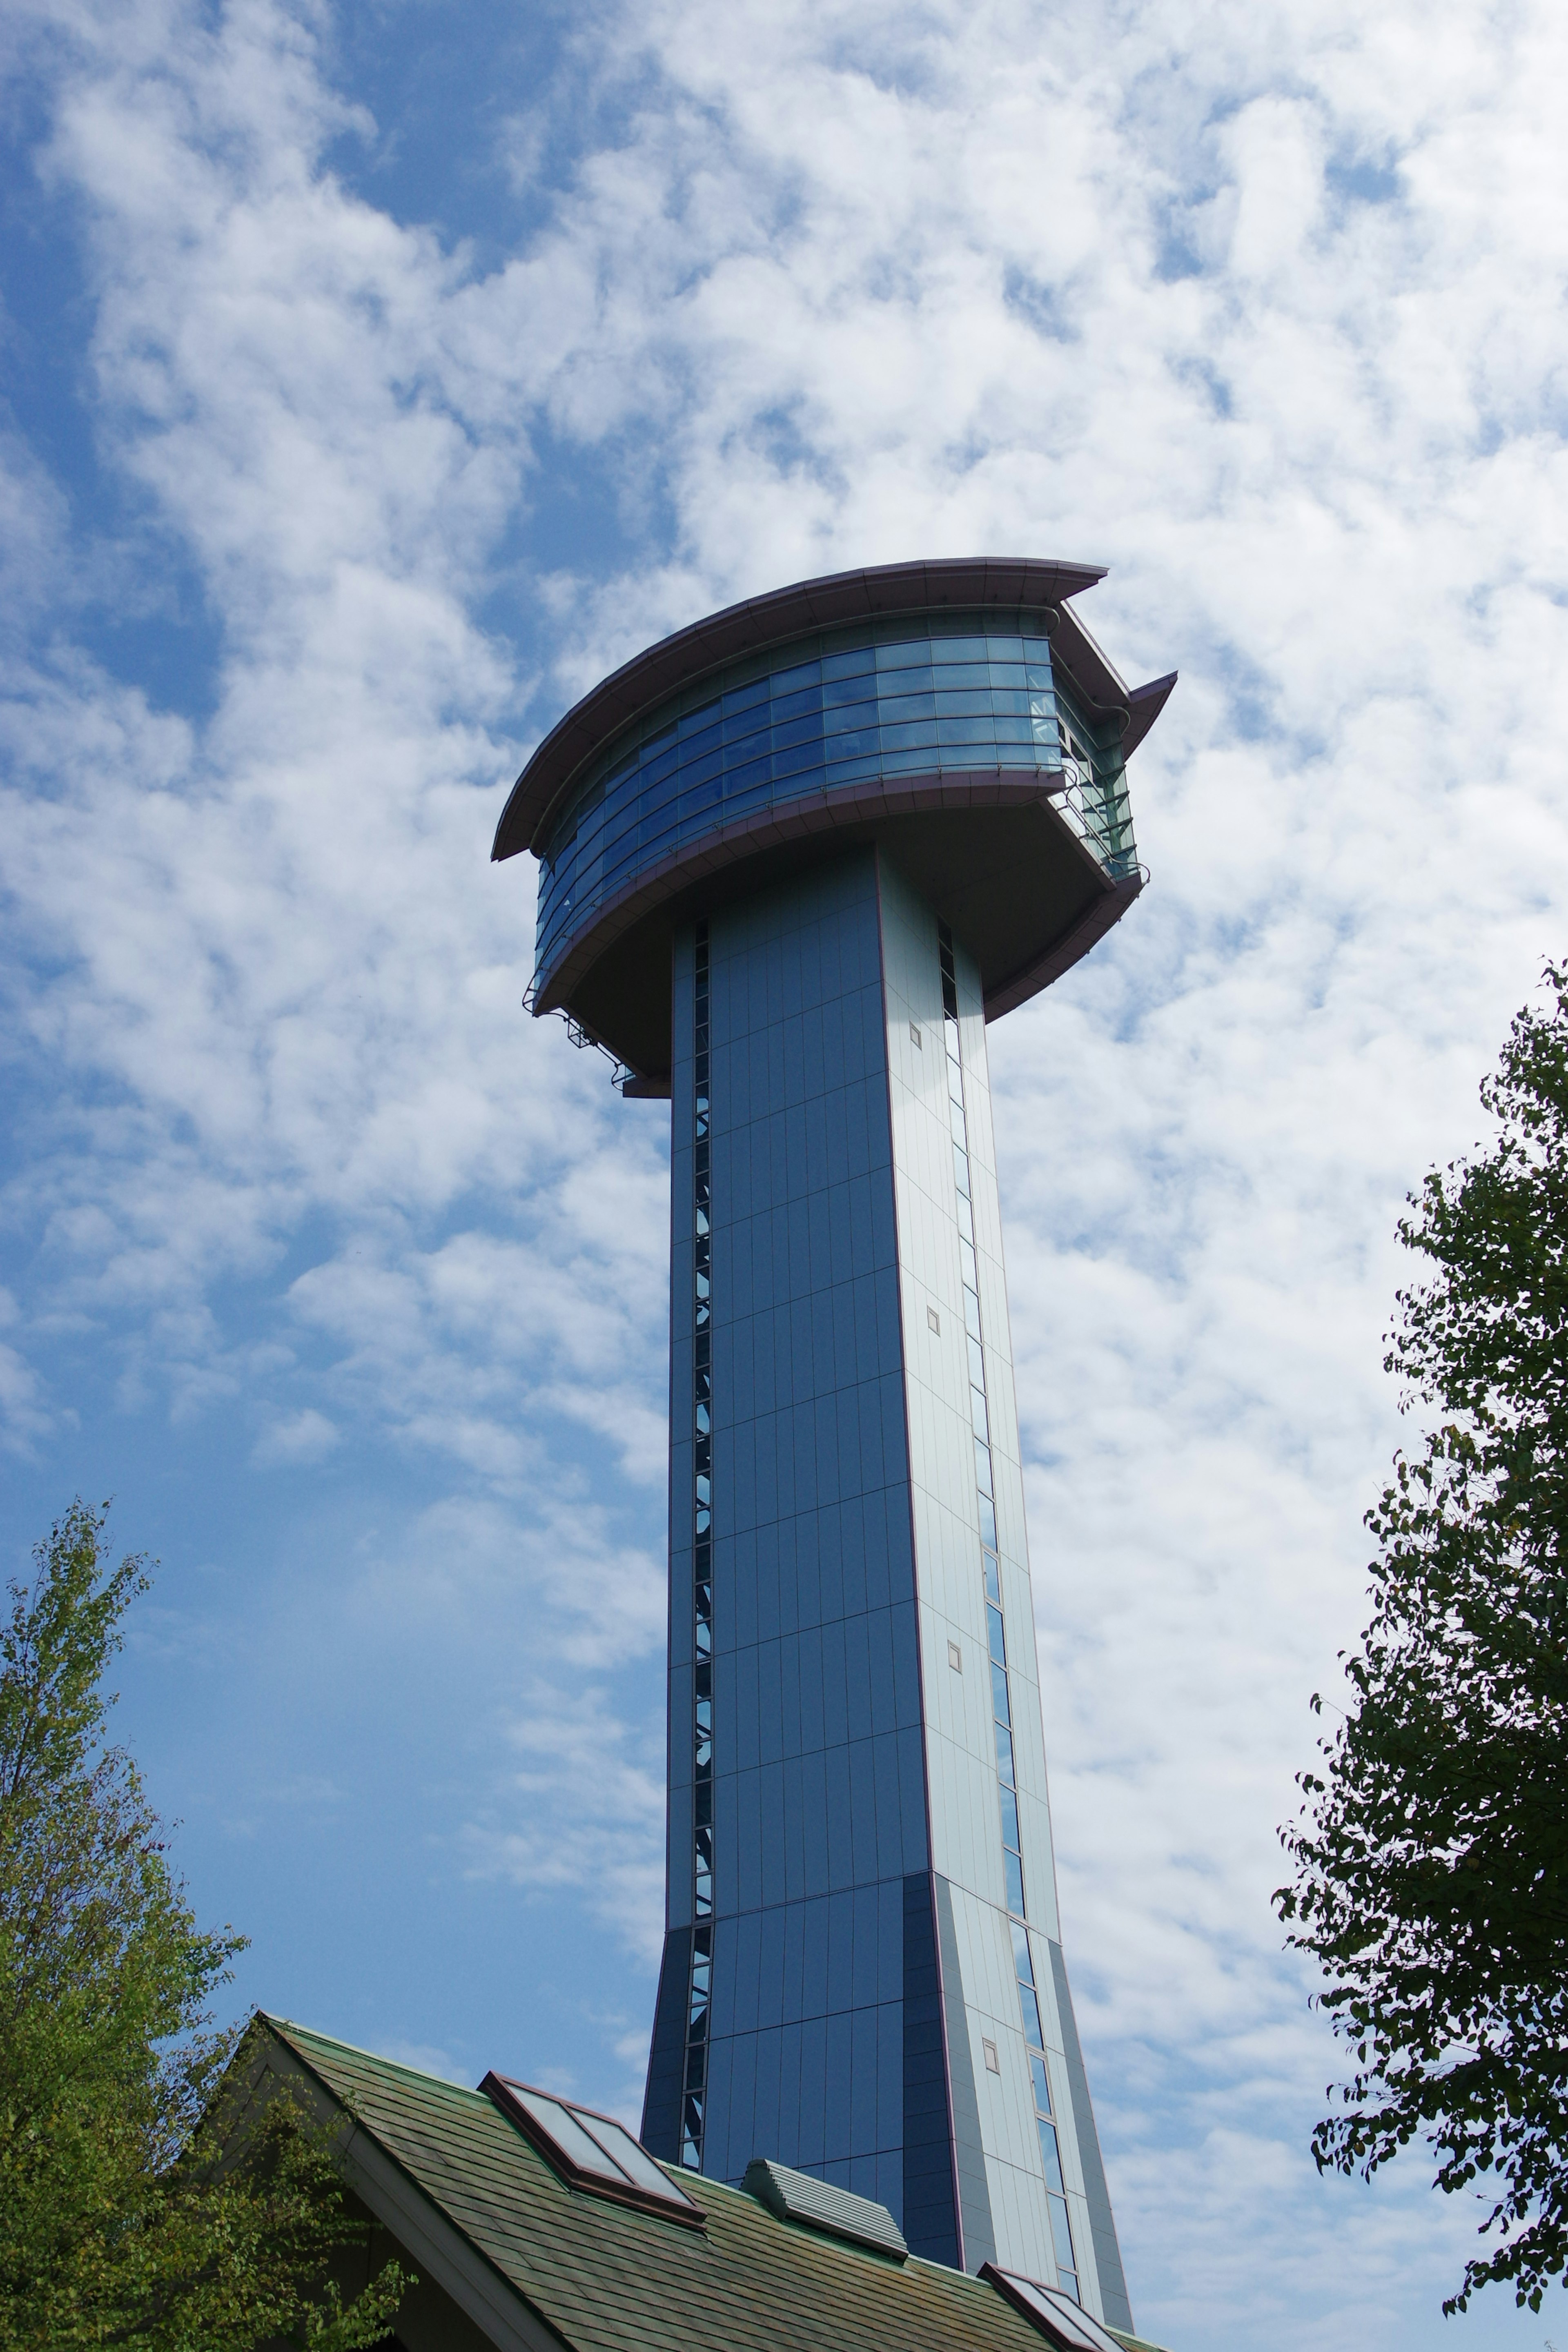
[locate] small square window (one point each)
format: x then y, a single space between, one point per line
915 1037
933 1318
992 2061
955 1657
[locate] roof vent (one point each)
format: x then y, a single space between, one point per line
1060 2320
796 2197
592 2151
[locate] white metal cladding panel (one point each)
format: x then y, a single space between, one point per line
1006 2099
966 1840
966 1844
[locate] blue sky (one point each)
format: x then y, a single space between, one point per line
376 378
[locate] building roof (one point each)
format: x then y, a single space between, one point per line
837 600
551 2266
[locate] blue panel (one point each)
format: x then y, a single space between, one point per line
836 2099
787 2128
863 2082
863 1811
792 1776
768 2053
720 2118
771 1834
770 1967
813 2121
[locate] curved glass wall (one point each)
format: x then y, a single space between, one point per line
893 697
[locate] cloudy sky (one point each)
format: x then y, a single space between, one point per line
377 375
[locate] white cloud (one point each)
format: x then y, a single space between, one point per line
303 1436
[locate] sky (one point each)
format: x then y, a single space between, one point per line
375 377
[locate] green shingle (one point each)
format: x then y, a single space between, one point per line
607 2278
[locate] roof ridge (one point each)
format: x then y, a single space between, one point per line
288 2025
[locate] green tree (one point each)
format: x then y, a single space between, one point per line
1431 1851
123 2218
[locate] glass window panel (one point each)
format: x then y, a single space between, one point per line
993 1582
1061 2228
854 720
1004 1753
914 652
746 735
632 2159
1024 1964
972 649
976 1363
701 796
708 761
1013 1870
988 1521
955 1116
1050 2156
1064 2322
970 1314
961 1170
745 698
798 759
1010 1820
563 2128
971 1270
856 662
1031 2008
699 729
997 1640
966 1224
801 674
908 735
999 1695
977 1416
796 705
1042 2083
807 730
982 1467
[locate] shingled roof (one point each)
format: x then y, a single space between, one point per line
535 2264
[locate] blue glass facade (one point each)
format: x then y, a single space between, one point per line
898 697
817 1780
853 1943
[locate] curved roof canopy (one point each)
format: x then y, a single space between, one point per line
970 583
989 848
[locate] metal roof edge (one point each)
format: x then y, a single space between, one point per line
1146 702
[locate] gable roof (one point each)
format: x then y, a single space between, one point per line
604 2277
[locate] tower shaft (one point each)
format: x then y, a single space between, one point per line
862 1974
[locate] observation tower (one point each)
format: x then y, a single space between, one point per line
792 860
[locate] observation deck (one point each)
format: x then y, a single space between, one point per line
957 712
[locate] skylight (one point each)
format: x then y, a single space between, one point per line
1060 2320
591 2151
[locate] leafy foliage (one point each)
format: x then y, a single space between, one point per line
1431 1854
120 2222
